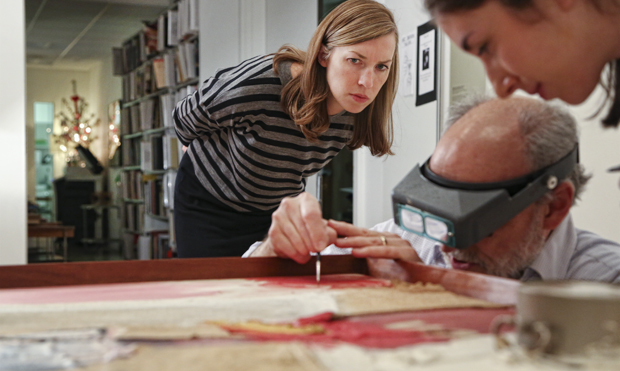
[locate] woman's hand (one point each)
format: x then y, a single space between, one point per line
297 229
371 244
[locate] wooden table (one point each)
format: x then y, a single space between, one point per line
46 280
52 230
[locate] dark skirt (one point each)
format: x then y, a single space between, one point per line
205 227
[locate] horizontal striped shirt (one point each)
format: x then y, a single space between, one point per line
246 151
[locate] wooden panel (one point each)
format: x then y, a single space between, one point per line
494 289
481 286
60 274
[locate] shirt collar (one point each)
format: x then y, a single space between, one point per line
552 262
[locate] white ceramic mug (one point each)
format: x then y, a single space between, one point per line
565 317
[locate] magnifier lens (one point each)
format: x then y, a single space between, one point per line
436 229
412 221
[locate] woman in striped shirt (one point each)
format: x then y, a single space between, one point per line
254 132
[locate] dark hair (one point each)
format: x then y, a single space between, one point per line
611 84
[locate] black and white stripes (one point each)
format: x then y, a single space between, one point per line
246 151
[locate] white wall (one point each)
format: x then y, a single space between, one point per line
599 208
232 31
290 22
13 218
415 136
219 35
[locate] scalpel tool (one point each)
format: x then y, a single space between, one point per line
318 268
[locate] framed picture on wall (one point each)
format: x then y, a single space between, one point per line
426 72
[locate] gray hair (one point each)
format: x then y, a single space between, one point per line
548 130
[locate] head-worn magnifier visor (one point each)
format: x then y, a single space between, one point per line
460 214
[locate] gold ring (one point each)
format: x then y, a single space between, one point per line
384 240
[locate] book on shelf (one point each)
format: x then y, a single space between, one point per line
189 49
187 18
129 151
150 114
125 121
170 69
126 87
159 70
170 144
146 114
140 218
167 103
182 19
132 93
186 60
117 62
134 119
172 34
180 63
132 185
135 150
130 217
154 198
153 63
157 152
131 54
162 23
138 185
146 156
124 184
142 46
194 24
148 80
151 34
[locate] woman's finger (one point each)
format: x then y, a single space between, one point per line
345 229
313 222
289 219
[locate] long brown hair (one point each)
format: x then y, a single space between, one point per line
612 82
304 98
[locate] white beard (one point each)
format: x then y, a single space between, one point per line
512 263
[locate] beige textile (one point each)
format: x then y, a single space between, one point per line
289 356
158 332
403 296
242 301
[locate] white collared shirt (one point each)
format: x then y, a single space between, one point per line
571 253
568 254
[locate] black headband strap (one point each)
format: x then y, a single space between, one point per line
561 169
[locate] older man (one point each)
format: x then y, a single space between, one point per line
488 141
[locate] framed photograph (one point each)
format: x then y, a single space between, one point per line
426 76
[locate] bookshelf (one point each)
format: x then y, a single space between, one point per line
159 67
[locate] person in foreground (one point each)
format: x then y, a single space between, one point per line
486 141
553 48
